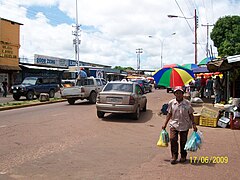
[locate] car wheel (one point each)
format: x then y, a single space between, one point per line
16 97
51 93
100 114
145 108
71 101
30 95
93 97
136 115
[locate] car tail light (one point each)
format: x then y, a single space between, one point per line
131 100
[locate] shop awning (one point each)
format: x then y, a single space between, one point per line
219 65
11 68
44 68
233 59
200 70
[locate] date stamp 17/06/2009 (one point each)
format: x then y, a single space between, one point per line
208 159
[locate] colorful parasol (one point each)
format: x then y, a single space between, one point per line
172 77
205 60
171 65
190 66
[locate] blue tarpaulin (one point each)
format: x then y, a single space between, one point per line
200 70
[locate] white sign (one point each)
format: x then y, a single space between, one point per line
51 61
99 74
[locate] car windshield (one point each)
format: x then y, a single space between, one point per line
119 87
29 81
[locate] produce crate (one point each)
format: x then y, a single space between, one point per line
210 112
206 121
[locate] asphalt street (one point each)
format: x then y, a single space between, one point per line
60 141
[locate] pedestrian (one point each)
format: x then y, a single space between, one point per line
5 88
180 115
209 87
82 76
217 89
203 86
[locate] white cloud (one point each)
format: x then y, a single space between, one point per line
122 27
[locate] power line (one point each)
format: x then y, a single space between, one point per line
207 49
184 16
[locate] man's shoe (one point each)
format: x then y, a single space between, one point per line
182 160
173 161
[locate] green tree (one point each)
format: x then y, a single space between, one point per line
123 68
226 35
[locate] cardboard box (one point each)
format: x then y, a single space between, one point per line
223 122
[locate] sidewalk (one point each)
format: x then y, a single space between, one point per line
9 98
23 102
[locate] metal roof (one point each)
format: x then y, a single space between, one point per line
232 59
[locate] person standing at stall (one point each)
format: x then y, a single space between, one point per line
209 87
217 89
203 86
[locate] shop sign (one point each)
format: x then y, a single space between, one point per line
51 61
7 50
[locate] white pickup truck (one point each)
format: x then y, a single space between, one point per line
89 90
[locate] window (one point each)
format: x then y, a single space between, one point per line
138 90
99 83
104 82
88 82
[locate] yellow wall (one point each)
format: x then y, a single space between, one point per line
9 43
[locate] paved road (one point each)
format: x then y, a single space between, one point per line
60 141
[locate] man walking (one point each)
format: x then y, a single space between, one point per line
180 114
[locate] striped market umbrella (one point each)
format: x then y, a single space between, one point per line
171 65
190 66
205 60
172 77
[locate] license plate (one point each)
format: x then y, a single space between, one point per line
114 99
14 91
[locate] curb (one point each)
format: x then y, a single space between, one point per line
29 105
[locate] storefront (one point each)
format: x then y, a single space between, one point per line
9 50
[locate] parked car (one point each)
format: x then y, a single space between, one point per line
145 85
157 86
121 97
34 86
88 90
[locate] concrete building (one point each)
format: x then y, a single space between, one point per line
9 50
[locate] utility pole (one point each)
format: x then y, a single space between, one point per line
207 49
195 30
138 51
195 34
76 40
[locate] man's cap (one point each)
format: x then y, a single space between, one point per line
178 88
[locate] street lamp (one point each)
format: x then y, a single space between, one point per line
195 30
138 51
162 42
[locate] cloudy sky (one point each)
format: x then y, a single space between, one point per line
112 30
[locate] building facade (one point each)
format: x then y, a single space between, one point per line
9 50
